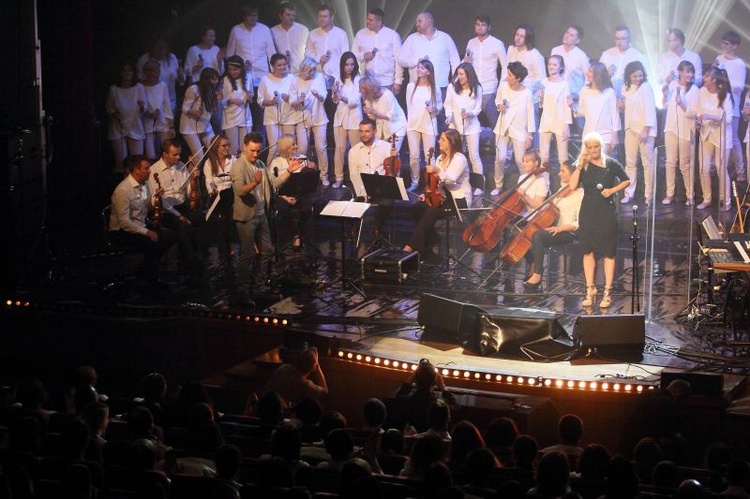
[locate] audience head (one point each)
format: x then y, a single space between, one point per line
425 452
501 432
271 409
666 475
331 421
690 489
228 459
425 376
570 429
525 448
143 454
374 412
30 393
309 411
621 478
339 444
730 39
437 477
717 457
286 443
594 462
439 415
85 395
154 387
479 464
351 471
465 437
96 416
392 441
140 422
738 473
552 474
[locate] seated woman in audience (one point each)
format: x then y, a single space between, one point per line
307 95
345 95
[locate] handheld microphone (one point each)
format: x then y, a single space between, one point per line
374 50
427 103
635 208
505 102
468 52
455 80
600 187
200 57
679 89
288 54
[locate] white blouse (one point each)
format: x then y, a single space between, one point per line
517 122
125 100
349 114
599 110
555 109
472 104
188 124
313 111
268 87
157 99
640 109
233 114
418 117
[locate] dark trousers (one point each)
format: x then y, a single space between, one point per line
425 236
153 251
540 241
188 237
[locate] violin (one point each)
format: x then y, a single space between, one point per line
484 233
156 215
539 219
392 163
194 191
433 192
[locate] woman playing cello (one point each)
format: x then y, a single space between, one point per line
568 202
453 169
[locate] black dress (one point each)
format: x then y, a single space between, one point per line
597 219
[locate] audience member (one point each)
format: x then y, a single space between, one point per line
570 431
301 377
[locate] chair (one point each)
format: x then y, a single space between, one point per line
566 251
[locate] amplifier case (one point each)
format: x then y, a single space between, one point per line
390 265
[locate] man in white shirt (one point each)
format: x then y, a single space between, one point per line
377 47
253 42
367 156
290 37
675 54
487 54
432 44
736 70
326 43
616 58
576 60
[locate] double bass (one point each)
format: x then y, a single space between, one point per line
433 192
484 233
392 163
540 219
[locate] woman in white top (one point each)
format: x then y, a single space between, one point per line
126 102
463 103
680 95
638 105
516 121
158 119
555 102
713 110
348 112
217 172
453 169
204 55
381 105
201 99
597 104
423 103
273 97
307 95
296 209
237 92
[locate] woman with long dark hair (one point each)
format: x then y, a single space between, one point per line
201 100
423 103
348 114
236 118
597 105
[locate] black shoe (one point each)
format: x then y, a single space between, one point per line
532 288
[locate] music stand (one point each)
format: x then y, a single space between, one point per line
346 210
300 183
385 189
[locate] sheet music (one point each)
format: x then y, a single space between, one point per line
742 251
346 209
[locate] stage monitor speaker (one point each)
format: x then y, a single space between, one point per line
701 383
610 337
448 320
524 337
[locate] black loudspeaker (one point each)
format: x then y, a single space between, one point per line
701 383
616 337
522 337
448 320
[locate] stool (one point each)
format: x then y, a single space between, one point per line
565 251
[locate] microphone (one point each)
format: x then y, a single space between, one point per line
374 51
505 102
276 171
427 103
200 57
278 99
679 89
455 80
600 187
635 209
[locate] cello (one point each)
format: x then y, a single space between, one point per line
540 219
484 233
392 163
433 193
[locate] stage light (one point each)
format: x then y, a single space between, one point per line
265 320
639 388
571 383
477 375
377 360
499 378
386 362
628 388
413 367
368 358
531 381
350 356
456 373
559 383
467 374
582 385
275 320
396 364
616 387
509 379
359 357
341 353
593 385
445 372
547 382
605 386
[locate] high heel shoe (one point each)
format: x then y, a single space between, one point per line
532 287
606 298
590 296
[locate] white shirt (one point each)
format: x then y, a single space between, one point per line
614 57
129 123
319 42
517 122
419 119
708 103
555 110
349 114
456 173
282 112
210 60
668 62
364 159
313 112
737 72
472 104
440 50
599 110
129 206
679 122
233 114
395 121
174 181
170 73
532 60
254 45
293 41
535 187
157 99
219 183
486 55
569 207
576 67
190 125
383 65
640 110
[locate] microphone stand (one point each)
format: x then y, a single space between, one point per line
635 304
